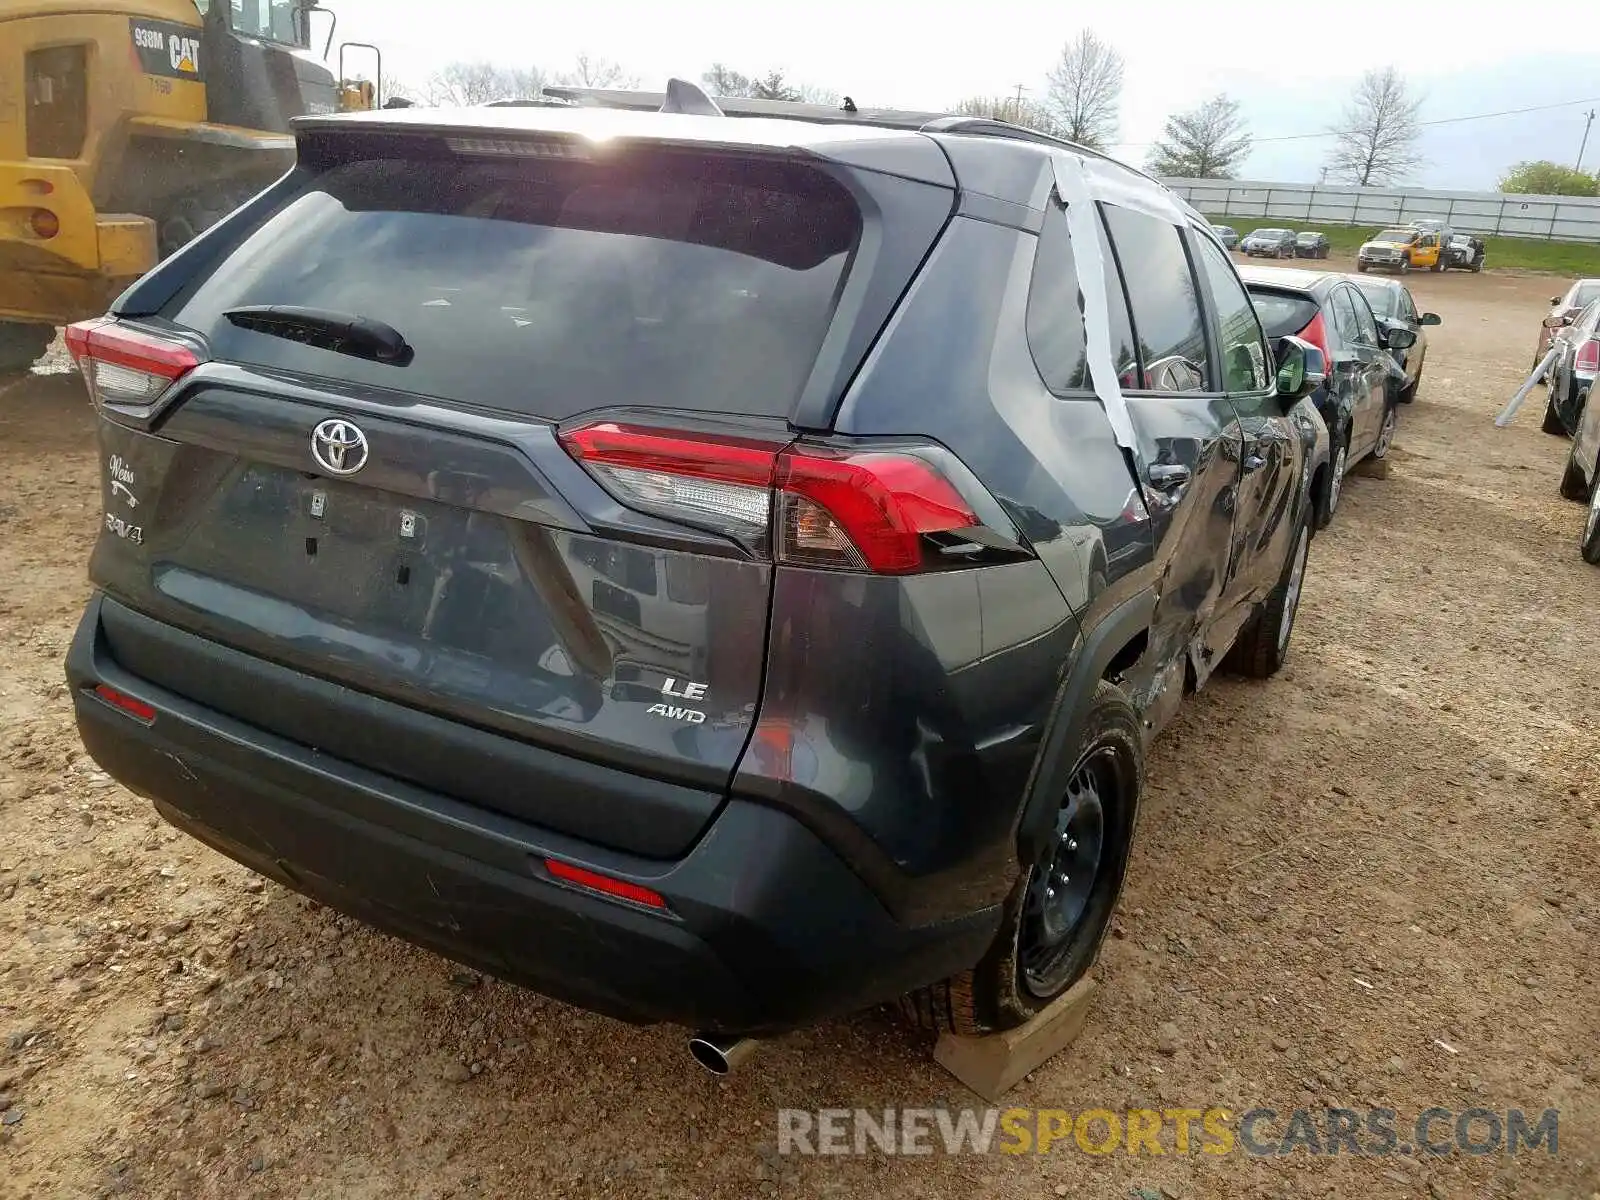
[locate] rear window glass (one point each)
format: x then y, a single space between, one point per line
551 287
1281 313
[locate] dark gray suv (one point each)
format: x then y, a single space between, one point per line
717 568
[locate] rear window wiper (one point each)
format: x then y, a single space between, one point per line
343 333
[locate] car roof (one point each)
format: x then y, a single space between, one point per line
1287 278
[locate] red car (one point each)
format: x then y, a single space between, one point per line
1564 310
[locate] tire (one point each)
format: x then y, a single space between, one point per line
1552 419
1589 545
1263 644
1405 266
1477 265
1386 432
1573 485
1361 266
1408 394
1339 464
1015 980
22 345
1438 265
192 215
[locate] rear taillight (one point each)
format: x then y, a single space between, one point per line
814 506
126 367
1317 334
1589 355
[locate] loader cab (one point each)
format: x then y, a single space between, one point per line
262 70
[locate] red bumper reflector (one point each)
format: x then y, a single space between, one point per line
604 884
125 703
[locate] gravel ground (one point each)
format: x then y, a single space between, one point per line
1389 847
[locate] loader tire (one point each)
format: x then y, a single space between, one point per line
22 345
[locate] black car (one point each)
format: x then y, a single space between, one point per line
1463 252
1311 245
1394 307
1330 313
690 565
1227 235
1269 243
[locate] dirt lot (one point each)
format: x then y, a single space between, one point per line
1389 847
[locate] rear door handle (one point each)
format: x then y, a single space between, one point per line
1167 476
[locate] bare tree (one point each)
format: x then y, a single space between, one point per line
470 83
1009 108
1208 142
1086 90
725 81
1377 139
722 80
594 72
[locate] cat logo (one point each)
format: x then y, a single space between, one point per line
184 53
167 48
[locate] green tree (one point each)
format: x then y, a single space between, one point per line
1208 142
1545 178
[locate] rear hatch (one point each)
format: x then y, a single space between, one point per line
413 458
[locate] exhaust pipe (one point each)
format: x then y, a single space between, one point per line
719 1054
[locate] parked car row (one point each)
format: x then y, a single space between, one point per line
1572 329
1422 245
1275 243
1371 335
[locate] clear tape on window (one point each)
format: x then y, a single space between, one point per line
1073 186
1115 184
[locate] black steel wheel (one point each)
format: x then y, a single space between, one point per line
1063 878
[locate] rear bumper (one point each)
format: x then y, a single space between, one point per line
768 928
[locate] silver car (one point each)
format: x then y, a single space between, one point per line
1579 481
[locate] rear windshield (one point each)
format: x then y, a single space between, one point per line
550 287
1281 313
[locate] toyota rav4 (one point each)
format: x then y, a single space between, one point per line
711 566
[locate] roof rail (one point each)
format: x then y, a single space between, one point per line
682 96
846 112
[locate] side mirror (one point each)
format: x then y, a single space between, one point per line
1301 368
1399 338
1554 300
1557 322
1430 319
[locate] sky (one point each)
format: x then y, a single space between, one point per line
894 54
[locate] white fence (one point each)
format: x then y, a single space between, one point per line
1554 218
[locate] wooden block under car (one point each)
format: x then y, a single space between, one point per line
992 1065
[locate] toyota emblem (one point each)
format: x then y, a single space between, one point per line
339 447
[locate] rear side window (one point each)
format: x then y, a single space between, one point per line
1282 313
1164 299
1244 356
550 287
1055 312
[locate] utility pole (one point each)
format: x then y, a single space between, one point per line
1584 145
1017 111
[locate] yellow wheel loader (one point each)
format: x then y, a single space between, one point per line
129 126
